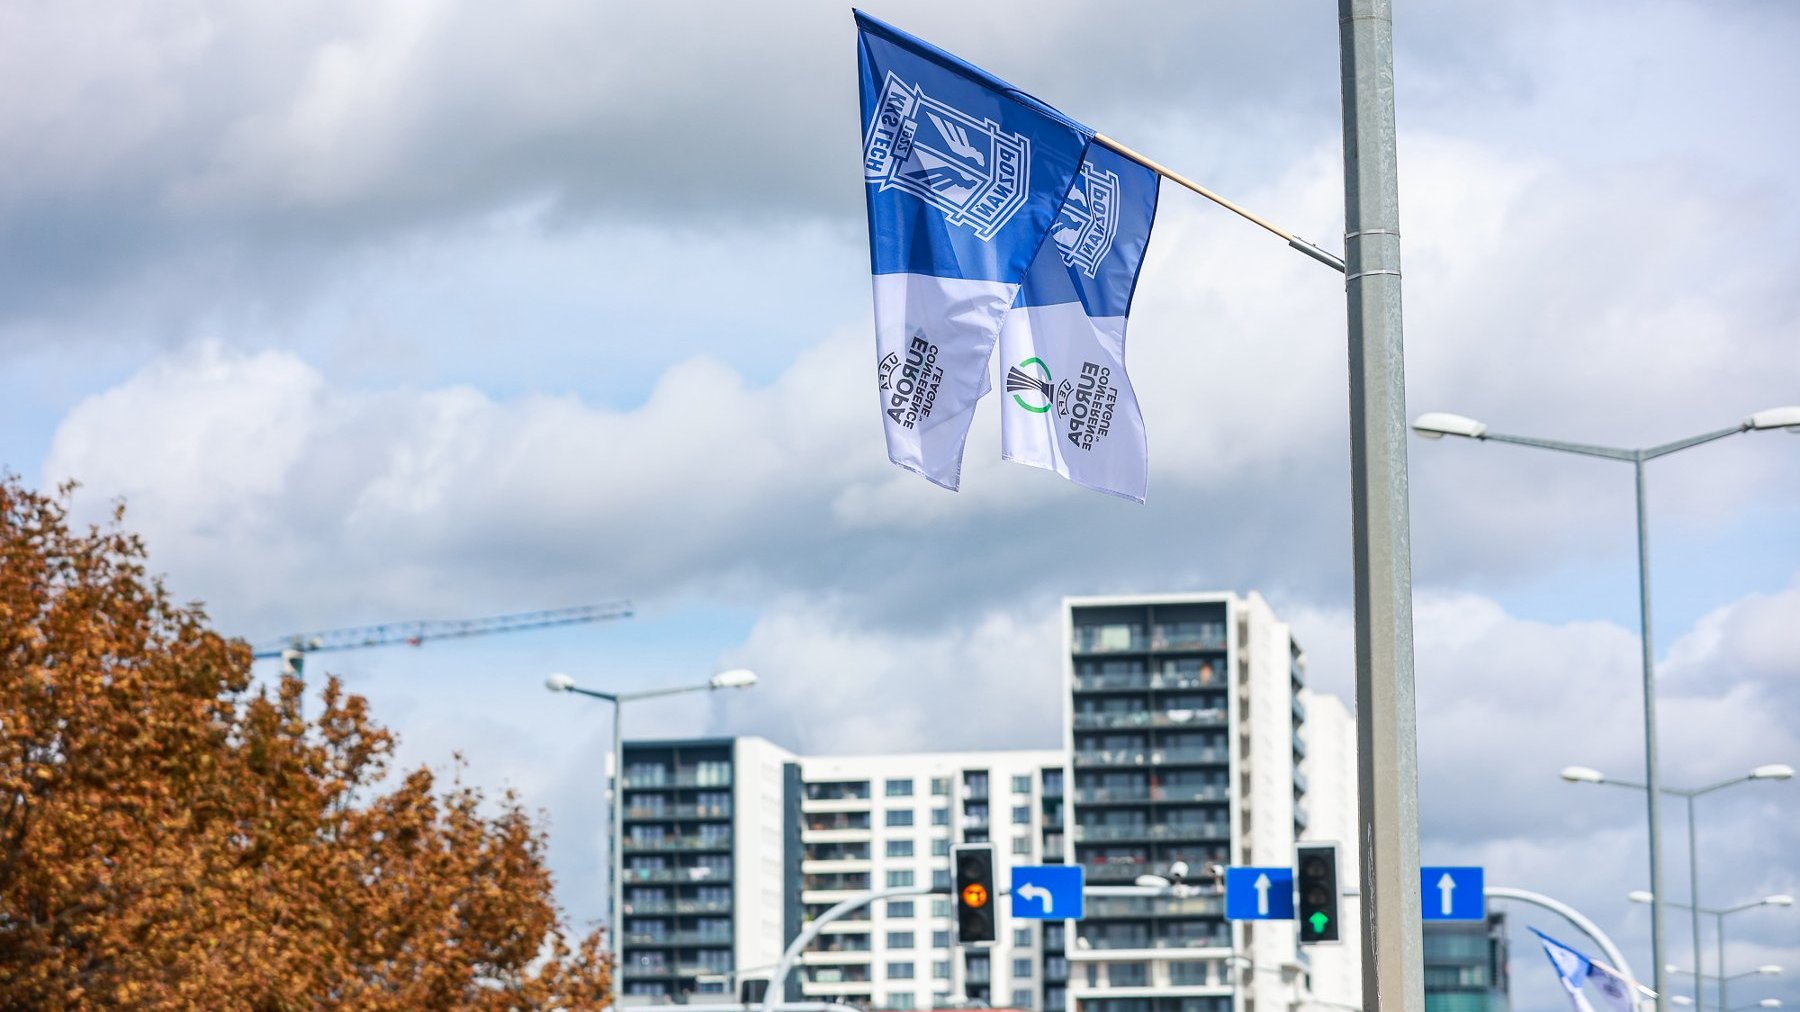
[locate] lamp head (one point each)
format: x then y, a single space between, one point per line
1152 882
1769 1003
559 682
1775 418
1438 424
1773 771
1778 900
1583 775
1641 896
736 678
1680 999
1770 970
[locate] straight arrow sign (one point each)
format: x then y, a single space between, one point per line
1259 893
1459 893
1262 895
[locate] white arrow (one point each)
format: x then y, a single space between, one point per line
1038 893
1446 886
1262 895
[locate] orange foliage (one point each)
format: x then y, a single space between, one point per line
172 838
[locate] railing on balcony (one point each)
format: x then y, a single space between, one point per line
1299 745
1110 639
1207 636
1187 906
1128 757
1139 681
679 778
834 883
680 843
654 970
708 875
1154 831
1161 792
1213 717
853 974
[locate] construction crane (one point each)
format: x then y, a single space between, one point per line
293 649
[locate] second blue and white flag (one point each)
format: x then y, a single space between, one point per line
1069 405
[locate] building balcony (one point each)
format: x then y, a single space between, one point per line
1130 908
636 971
1140 795
1179 639
676 813
1299 746
849 974
1150 718
670 939
679 778
1132 757
1154 831
1146 681
704 875
677 843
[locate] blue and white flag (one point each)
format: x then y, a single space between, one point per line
965 175
1070 407
1582 976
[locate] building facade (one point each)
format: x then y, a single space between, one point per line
1465 965
1185 732
709 866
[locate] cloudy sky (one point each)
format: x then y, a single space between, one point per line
377 311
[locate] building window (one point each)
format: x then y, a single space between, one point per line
900 971
940 787
940 969
899 788
1021 845
940 878
1128 975
899 817
1022 815
1021 998
900 908
1022 785
903 1000
940 939
899 877
940 907
899 939
975 836
940 848
900 848
1021 969
1022 938
940 816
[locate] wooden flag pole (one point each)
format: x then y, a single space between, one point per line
1175 177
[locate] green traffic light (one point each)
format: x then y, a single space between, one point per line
1318 920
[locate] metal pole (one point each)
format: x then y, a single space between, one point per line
1652 779
1694 908
778 980
1387 754
618 847
1722 983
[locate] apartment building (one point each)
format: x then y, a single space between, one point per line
1185 732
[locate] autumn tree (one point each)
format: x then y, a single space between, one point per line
174 836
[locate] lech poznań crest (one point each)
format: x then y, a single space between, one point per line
975 173
1088 220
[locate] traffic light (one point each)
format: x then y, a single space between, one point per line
976 922
1317 880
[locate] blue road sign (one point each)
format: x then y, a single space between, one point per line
1048 892
1452 894
1259 894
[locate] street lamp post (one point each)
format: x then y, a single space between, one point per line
1437 425
737 678
1773 771
1719 915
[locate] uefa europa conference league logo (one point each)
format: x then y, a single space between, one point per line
910 386
1084 406
968 168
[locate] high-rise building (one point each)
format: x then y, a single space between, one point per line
710 872
1185 734
1465 965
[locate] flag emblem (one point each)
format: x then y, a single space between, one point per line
1088 220
1037 383
977 174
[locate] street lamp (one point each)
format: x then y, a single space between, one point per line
1719 915
736 678
1437 425
1772 771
